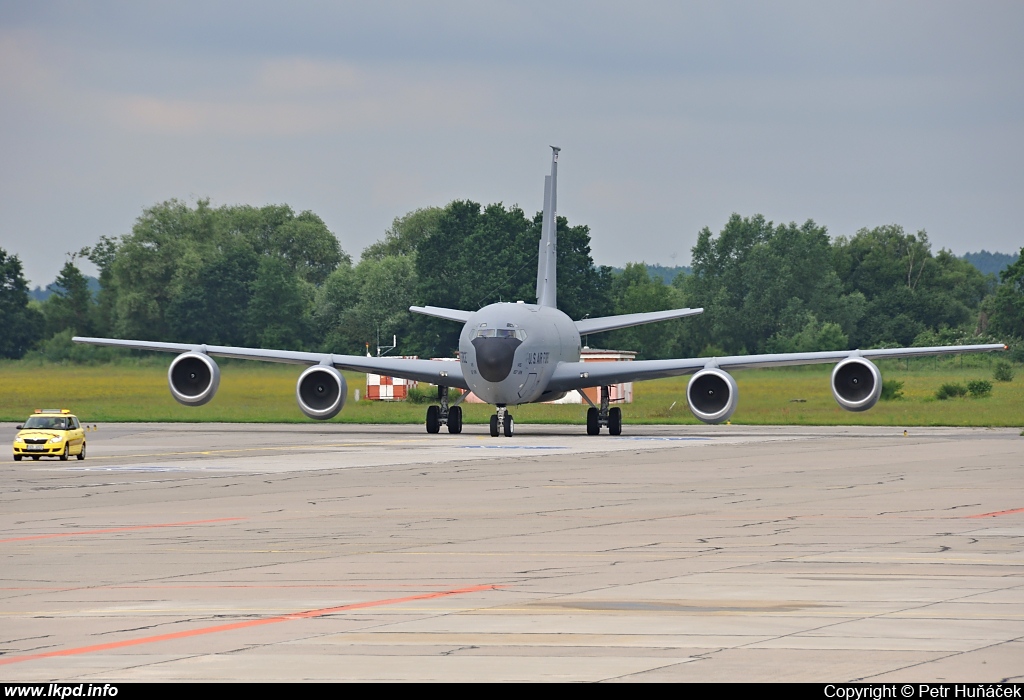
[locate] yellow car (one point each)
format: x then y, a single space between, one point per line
50 432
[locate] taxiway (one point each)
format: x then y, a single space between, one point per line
342 552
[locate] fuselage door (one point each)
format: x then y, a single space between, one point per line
529 386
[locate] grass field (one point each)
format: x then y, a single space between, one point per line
258 392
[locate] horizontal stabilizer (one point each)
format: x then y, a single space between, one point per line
441 312
611 323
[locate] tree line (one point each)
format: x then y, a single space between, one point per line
268 277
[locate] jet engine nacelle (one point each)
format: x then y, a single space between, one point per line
193 378
856 384
321 392
712 395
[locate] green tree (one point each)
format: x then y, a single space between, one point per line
635 290
908 290
102 255
156 262
211 307
71 304
303 241
367 304
278 312
1005 309
815 336
758 281
477 256
406 234
22 325
191 274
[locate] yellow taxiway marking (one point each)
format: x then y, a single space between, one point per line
306 446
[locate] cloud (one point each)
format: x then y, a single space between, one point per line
278 97
672 115
306 76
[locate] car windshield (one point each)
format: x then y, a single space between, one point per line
47 422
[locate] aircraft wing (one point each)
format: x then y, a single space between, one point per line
441 312
577 375
611 323
446 372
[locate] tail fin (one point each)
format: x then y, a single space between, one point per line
546 280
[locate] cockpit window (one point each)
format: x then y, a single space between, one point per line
500 333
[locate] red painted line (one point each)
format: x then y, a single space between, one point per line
996 513
116 529
212 586
305 615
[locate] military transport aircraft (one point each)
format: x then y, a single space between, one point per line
516 353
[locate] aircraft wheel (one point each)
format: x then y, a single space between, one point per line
593 421
494 426
455 420
615 421
65 453
81 455
510 425
433 419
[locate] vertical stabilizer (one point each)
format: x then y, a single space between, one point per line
546 281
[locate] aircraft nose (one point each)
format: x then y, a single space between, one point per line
494 356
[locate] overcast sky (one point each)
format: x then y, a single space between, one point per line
671 116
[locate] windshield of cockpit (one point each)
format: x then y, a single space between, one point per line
500 333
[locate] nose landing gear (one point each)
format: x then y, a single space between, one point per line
445 414
502 422
603 416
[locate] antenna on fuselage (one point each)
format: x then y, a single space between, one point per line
548 253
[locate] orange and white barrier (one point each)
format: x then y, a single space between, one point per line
383 388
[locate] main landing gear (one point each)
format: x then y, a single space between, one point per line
445 414
502 423
603 416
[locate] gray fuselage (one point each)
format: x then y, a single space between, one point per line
509 351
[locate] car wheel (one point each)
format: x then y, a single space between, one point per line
35 458
65 453
81 455
17 458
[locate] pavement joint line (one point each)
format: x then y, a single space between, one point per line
303 615
126 528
